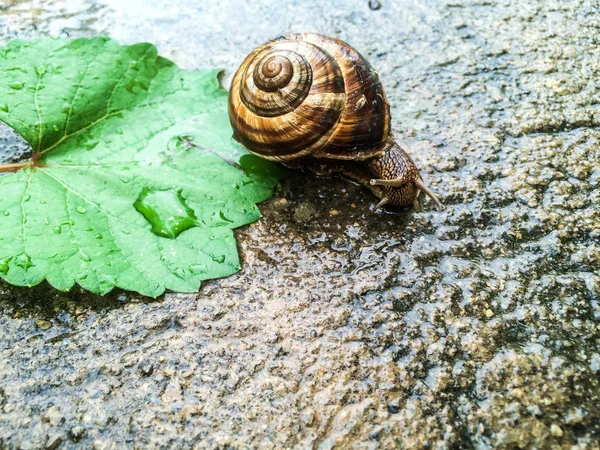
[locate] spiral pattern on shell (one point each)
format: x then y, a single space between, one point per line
279 83
309 95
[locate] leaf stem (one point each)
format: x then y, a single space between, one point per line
15 167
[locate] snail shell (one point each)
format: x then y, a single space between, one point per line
309 94
307 97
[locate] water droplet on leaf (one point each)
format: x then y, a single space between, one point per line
84 256
179 273
218 258
6 213
89 145
4 107
26 198
16 85
57 230
81 210
223 217
4 265
166 211
176 145
24 261
198 269
17 68
40 70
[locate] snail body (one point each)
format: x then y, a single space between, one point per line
312 100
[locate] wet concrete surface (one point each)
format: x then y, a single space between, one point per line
474 327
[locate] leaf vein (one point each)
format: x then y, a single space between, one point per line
89 202
109 215
37 106
107 115
87 69
123 76
74 239
93 124
23 218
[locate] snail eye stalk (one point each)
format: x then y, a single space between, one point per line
382 202
398 182
423 188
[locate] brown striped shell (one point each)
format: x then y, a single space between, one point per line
309 95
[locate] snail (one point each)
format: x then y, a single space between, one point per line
309 100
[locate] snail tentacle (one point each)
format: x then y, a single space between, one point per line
397 182
383 201
423 187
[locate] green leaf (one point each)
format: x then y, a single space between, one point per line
135 181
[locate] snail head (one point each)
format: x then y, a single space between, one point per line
398 180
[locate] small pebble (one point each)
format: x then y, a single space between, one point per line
334 212
556 430
100 445
393 406
43 324
146 368
189 411
53 442
374 5
53 416
76 432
